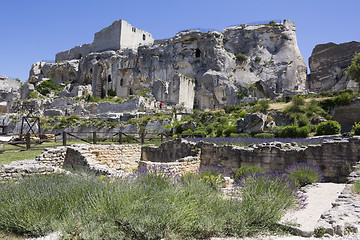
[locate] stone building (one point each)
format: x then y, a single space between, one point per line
119 35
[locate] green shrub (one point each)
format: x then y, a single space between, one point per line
297 102
343 99
240 57
303 174
143 92
264 135
356 128
300 119
328 128
219 131
272 23
292 131
245 170
47 86
319 232
112 92
356 187
261 106
211 175
229 130
188 131
242 135
257 59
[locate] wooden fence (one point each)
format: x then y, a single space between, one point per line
95 137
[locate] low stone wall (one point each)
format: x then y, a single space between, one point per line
119 157
52 156
19 169
104 159
169 151
335 157
183 165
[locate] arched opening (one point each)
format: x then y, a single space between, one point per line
109 78
121 82
197 53
144 37
79 56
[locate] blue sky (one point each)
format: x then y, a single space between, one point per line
36 30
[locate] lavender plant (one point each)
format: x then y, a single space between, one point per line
267 196
304 173
151 204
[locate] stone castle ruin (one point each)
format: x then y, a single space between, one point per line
119 35
193 68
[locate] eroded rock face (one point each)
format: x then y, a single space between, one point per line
347 115
61 72
328 63
9 92
206 64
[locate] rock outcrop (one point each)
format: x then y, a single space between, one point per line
328 63
9 92
347 115
209 69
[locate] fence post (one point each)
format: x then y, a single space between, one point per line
94 137
142 137
28 141
120 137
64 138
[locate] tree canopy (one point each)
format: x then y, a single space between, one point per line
354 69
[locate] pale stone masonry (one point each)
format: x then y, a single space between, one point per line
119 35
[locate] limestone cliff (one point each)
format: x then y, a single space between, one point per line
328 63
9 92
205 70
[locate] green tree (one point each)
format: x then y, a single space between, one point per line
354 69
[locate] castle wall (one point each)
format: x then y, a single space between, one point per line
118 35
132 37
108 38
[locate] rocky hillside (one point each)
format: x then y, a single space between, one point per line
328 63
211 70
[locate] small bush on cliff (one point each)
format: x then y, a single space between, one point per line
354 69
356 129
328 128
47 86
304 173
240 57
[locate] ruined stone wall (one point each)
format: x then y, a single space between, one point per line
335 157
183 165
119 157
18 169
169 151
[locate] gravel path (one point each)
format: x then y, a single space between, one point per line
319 199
